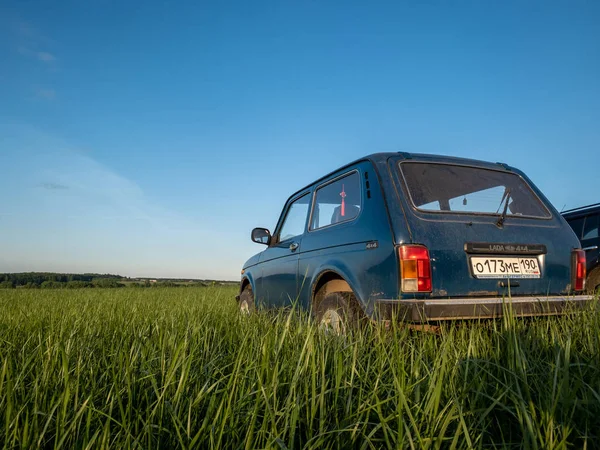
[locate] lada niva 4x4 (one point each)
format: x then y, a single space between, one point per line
417 238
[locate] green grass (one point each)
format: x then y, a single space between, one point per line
169 368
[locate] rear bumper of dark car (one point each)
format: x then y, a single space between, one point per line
478 308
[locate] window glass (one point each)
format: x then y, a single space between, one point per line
464 189
432 206
337 202
295 219
590 231
577 225
478 201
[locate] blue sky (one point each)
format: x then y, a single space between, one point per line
147 139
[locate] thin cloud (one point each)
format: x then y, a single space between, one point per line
46 94
26 32
46 57
114 223
33 44
24 50
54 186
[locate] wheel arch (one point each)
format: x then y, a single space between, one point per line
331 280
593 278
247 280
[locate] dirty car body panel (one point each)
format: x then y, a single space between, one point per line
490 238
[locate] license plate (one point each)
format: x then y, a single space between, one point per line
515 267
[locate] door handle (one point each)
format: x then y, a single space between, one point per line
293 246
593 247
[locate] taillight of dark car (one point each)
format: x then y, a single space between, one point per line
415 268
579 270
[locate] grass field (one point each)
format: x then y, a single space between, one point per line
167 368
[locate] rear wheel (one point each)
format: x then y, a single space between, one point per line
336 313
246 303
593 280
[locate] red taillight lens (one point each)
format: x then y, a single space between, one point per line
579 270
415 268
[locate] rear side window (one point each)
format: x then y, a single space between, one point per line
463 189
590 231
336 202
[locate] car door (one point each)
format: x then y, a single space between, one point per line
590 239
278 286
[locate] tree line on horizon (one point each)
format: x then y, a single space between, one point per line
43 280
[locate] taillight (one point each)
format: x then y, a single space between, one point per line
415 268
578 267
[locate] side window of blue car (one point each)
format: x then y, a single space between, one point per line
590 231
295 219
337 201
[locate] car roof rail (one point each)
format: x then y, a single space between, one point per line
580 208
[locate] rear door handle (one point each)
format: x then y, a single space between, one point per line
593 247
293 246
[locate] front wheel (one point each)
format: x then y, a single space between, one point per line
246 303
336 313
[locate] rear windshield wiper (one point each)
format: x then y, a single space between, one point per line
505 199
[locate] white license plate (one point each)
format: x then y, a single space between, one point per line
515 267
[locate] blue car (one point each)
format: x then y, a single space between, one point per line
585 222
416 238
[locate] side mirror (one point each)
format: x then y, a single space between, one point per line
261 236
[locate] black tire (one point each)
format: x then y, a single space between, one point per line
337 312
593 280
246 303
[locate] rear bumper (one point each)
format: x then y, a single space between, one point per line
477 308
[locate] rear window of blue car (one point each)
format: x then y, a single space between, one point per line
450 188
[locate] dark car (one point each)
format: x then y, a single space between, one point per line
585 222
418 238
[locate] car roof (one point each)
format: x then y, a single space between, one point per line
581 211
376 158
